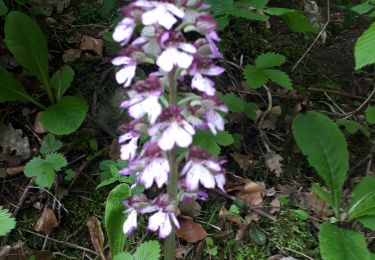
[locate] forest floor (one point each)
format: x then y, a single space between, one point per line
324 80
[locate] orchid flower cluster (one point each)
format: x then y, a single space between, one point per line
177 38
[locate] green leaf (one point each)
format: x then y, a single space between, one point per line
44 169
363 8
11 89
337 243
258 236
279 77
370 114
224 138
62 80
301 214
149 250
363 199
324 195
235 103
206 140
297 22
50 144
278 11
255 77
66 116
7 222
368 222
123 256
251 110
323 143
69 175
114 217
3 8
269 60
364 48
107 7
352 127
27 43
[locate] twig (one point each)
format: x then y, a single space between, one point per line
263 117
298 253
61 205
62 242
362 105
316 38
334 92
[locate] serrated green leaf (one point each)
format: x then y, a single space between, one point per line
7 222
337 243
206 141
279 77
123 256
250 110
50 144
26 42
364 48
62 80
325 146
269 60
363 199
370 114
235 103
114 217
224 138
149 250
298 22
255 77
66 116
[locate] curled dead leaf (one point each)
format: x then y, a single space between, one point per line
47 222
190 231
89 43
38 126
96 235
252 192
226 215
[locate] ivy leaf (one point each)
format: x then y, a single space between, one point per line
235 103
323 143
370 114
44 169
364 48
114 217
7 222
149 250
279 77
363 199
297 22
338 243
50 144
66 116
255 77
269 60
62 80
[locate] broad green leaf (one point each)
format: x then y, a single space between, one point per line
3 8
224 138
297 22
323 143
123 256
368 222
324 195
278 11
7 222
363 199
66 116
251 110
341 244
247 14
258 4
235 103
149 250
27 43
364 48
50 144
11 89
269 60
62 80
279 77
115 218
363 8
255 77
352 127
370 114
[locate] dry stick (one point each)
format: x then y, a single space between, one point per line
20 202
317 37
334 92
362 105
62 242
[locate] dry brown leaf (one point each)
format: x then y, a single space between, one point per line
252 193
271 119
190 208
243 160
273 162
47 222
251 218
96 235
276 205
89 43
226 215
13 171
71 55
38 127
319 206
18 252
12 142
190 231
181 252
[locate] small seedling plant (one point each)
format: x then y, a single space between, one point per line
25 40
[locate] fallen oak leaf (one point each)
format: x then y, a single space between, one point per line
47 222
189 230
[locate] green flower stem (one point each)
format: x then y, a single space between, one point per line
169 247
